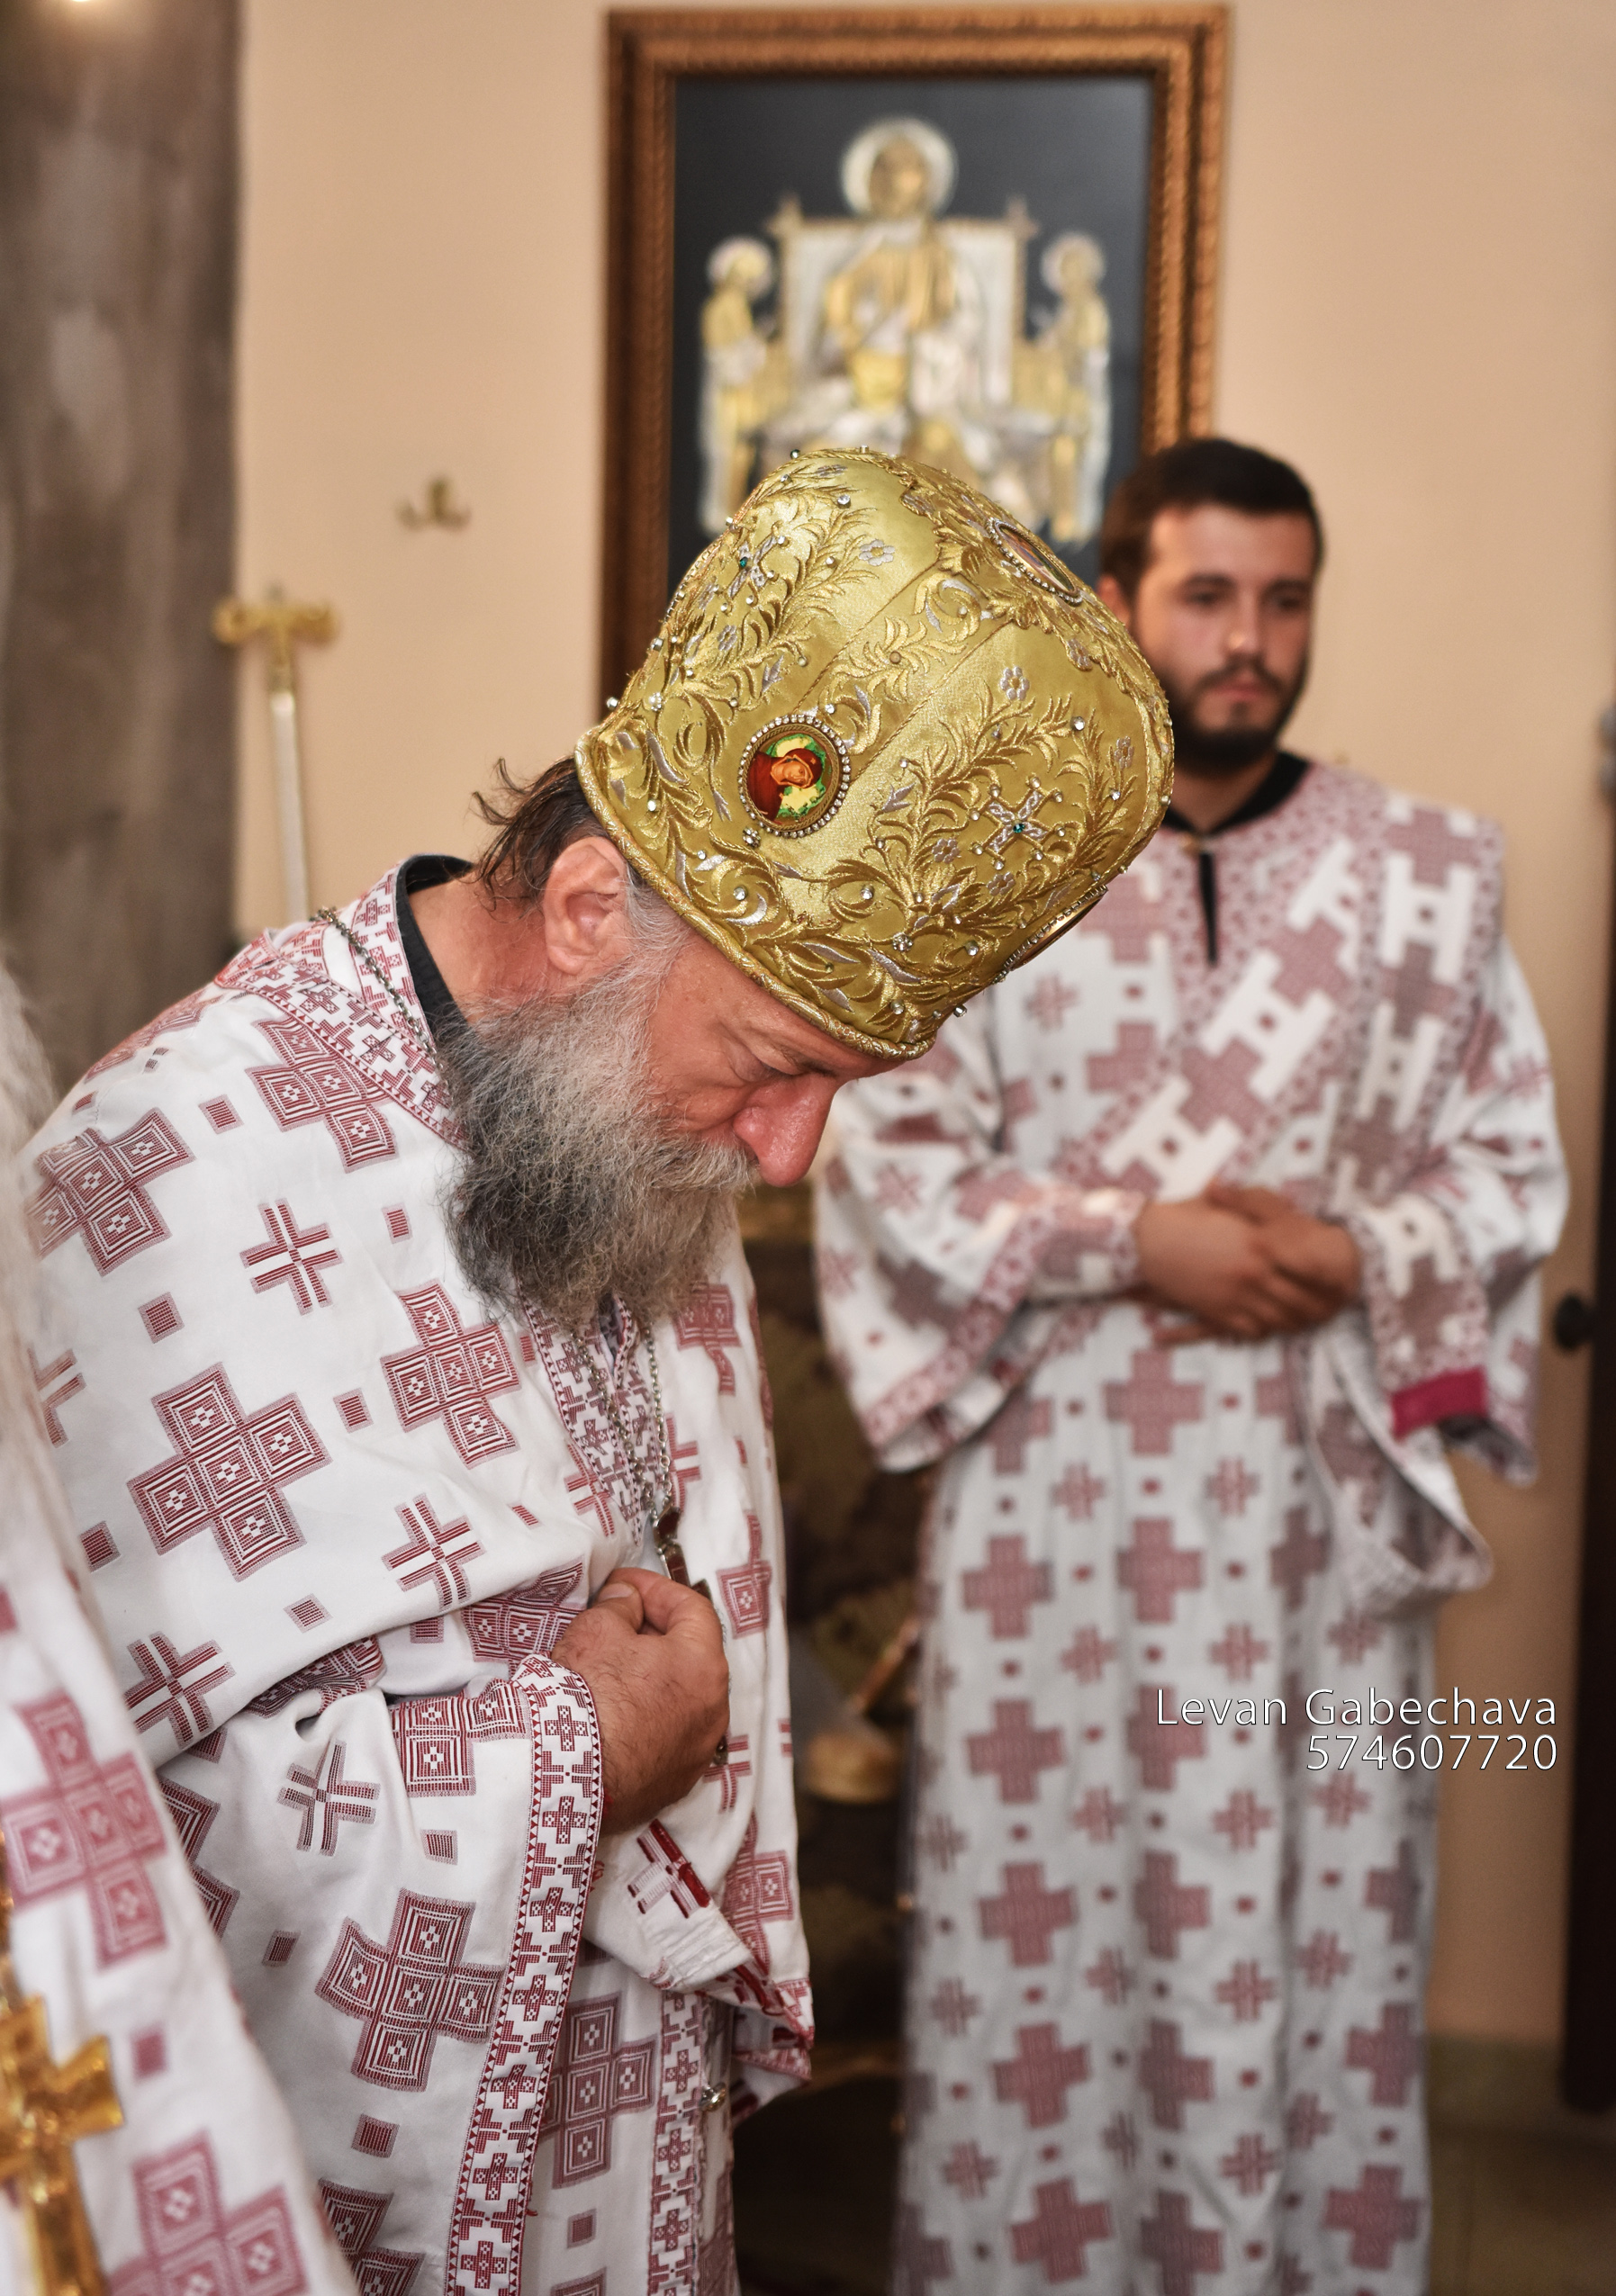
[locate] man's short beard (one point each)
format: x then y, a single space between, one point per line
575 1187
1225 749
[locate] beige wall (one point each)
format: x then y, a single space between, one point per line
1417 305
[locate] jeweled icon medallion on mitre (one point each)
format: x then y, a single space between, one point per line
793 775
1024 554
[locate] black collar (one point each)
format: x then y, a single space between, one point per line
1283 778
431 990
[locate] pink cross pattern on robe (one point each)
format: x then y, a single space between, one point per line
1160 1745
1170 2079
315 1084
324 1790
595 2079
412 1991
435 1551
98 1188
91 1827
1300 1556
1168 1906
451 1375
1152 1403
1155 1571
1014 1750
1182 2249
1058 2232
708 1323
55 1383
1039 2075
226 1473
195 2246
746 1587
1250 2165
1391 2053
291 1256
1137 1053
1024 1419
356 2217
194 1815
164 1673
1377 2214
1321 1961
1026 1915
1006 1586
1396 1890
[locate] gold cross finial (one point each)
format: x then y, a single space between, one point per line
284 621
44 2110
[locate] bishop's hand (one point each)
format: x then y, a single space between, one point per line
1245 1264
651 1653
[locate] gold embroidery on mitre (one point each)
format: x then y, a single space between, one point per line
885 747
45 2108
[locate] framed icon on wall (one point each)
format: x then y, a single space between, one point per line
983 239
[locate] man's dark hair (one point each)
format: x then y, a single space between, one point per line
533 823
1182 478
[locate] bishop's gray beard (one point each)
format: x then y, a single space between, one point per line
573 1187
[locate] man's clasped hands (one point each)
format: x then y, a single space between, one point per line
1242 1263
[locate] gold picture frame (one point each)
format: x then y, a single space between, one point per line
1173 56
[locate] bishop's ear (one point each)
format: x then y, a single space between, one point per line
585 910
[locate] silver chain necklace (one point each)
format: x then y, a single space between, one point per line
663 1521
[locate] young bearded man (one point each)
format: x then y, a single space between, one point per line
1188 1251
416 1434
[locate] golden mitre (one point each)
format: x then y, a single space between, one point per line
885 747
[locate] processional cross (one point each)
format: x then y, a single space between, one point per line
284 623
45 2108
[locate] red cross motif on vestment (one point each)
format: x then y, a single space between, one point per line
1170 2079
1026 1915
679 1454
356 2217
97 1189
195 2246
451 1374
1136 1054
1049 1004
1167 1906
325 1790
1300 1556
1023 1419
55 1383
1155 1571
952 2008
1152 1403
227 1473
182 1704
1306 2122
1182 2249
1058 2233
291 1256
1079 1492
1238 1651
194 1815
595 2078
411 1991
1230 1485
745 1588
1390 2054
313 1085
435 1550
435 1736
1377 2214
1243 1819
1006 1586
1161 1745
1250 2165
526 1622
1039 2075
758 1890
92 1827
1089 1654
1014 1751
1246 1991
1321 1961
1396 1890
708 1323
727 1772
1110 1976
667 1873
970 2170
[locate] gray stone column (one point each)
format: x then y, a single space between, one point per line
117 291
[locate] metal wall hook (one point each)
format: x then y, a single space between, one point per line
439 508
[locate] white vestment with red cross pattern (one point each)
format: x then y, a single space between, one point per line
1164 2009
333 1512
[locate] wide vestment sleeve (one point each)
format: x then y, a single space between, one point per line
941 1257
332 1514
